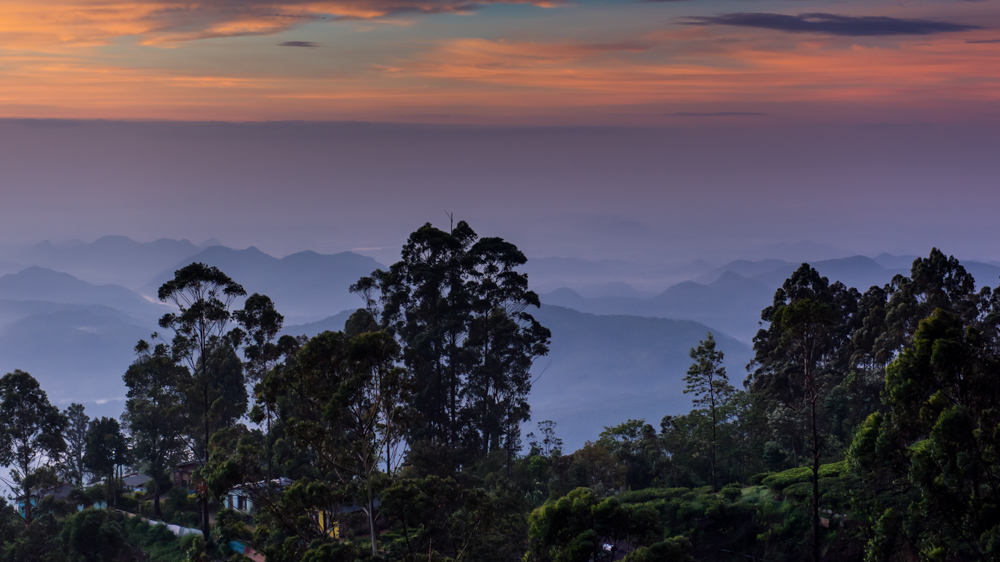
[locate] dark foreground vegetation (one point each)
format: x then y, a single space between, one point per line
868 428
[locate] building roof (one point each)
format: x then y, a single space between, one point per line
189 464
134 480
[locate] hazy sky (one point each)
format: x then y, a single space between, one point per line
599 128
663 194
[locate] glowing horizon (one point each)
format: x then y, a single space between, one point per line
501 62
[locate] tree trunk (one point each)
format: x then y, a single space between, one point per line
810 379
371 517
204 492
715 486
267 441
156 499
25 467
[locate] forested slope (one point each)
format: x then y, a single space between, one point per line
866 428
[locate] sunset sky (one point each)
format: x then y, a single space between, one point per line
566 62
595 128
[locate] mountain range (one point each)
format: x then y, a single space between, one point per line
732 296
305 286
70 314
109 259
77 334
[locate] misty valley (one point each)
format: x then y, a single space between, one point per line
177 401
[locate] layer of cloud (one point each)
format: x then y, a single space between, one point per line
39 22
832 24
399 72
680 75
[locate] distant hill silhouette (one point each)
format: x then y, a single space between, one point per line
607 277
41 284
617 352
13 310
732 296
333 323
304 286
859 272
77 355
732 303
602 370
110 259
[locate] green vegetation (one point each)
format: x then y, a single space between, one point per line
867 428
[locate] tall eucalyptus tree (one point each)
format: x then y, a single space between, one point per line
204 340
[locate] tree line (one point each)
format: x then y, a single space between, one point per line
866 426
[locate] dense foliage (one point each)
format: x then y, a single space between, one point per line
867 428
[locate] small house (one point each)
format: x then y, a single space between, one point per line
241 498
184 472
137 482
60 492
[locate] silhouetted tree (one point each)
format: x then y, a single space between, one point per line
342 400
154 413
802 354
32 435
107 449
707 379
72 466
204 341
458 306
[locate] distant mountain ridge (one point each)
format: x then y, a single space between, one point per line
40 284
732 303
621 331
78 355
605 369
621 366
109 259
304 286
608 277
78 337
732 296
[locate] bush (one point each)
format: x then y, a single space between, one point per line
155 540
731 492
127 502
675 549
179 508
650 494
781 480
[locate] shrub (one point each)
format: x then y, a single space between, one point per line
731 492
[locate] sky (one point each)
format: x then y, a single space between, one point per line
527 62
646 130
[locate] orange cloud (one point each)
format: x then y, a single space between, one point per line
55 65
657 70
39 23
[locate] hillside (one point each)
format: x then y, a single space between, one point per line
41 284
77 355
